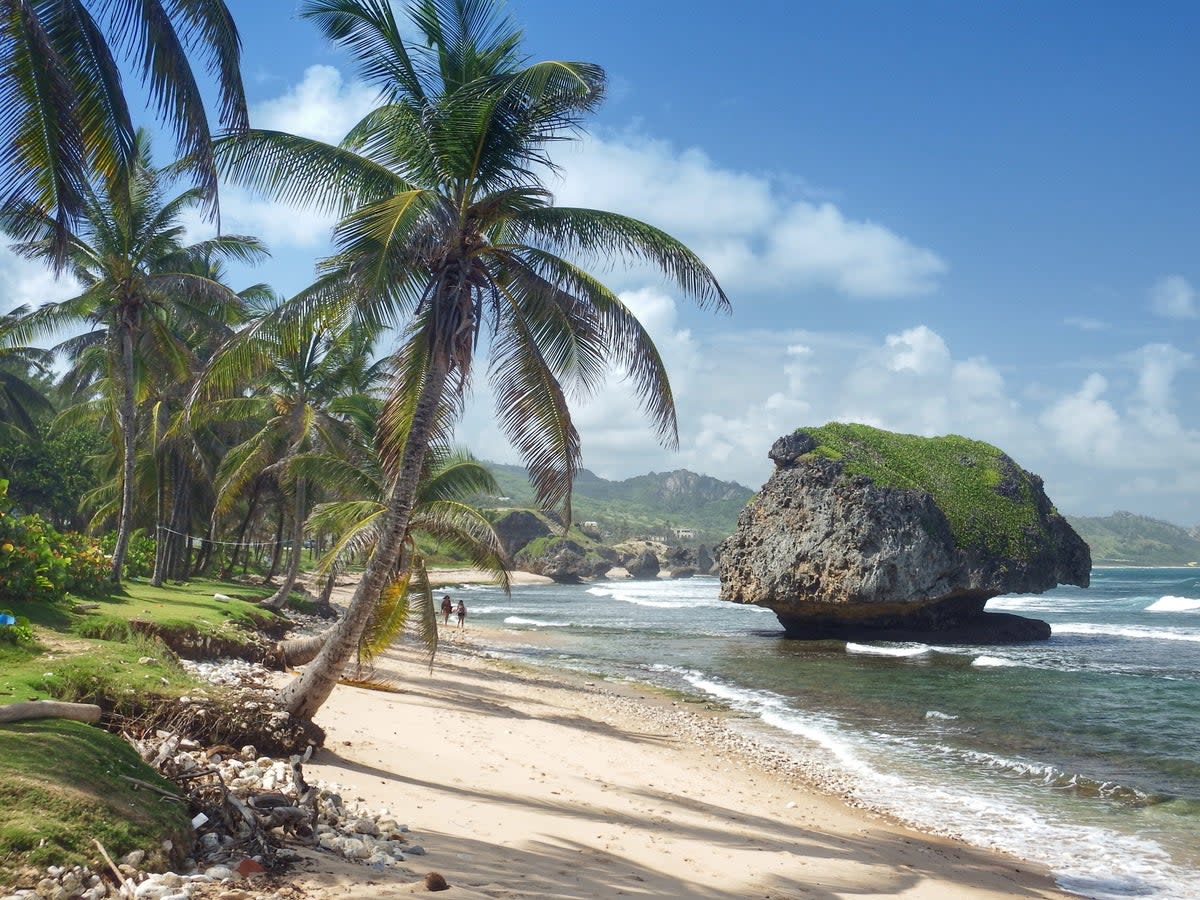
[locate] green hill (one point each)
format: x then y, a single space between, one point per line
1132 540
653 505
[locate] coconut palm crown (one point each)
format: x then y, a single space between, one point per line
64 118
447 230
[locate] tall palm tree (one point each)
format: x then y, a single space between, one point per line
139 281
63 113
447 228
299 372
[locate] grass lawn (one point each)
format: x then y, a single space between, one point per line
88 653
60 787
60 782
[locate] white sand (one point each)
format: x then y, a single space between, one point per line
536 784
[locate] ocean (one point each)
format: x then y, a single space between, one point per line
1081 753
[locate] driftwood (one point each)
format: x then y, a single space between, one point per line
151 787
125 887
50 709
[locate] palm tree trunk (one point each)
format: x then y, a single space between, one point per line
241 538
181 520
303 696
277 553
279 598
125 414
324 607
160 530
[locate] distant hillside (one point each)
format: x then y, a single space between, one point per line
1127 539
654 504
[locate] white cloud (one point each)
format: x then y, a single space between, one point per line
743 226
323 106
1139 432
279 225
24 282
1173 297
1084 323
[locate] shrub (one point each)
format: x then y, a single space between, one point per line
39 564
18 631
139 556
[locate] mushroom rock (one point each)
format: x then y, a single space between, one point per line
866 534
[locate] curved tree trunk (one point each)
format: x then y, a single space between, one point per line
279 599
305 695
227 570
324 607
126 415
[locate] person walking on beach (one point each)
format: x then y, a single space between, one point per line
462 614
447 608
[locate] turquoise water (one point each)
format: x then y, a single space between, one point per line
1081 752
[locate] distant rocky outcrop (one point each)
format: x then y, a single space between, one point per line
643 565
565 560
518 528
862 533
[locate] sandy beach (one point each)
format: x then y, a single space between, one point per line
523 783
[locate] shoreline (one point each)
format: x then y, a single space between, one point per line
521 782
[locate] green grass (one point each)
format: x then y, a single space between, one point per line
85 671
60 787
58 780
965 478
95 654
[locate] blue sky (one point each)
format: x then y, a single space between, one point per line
932 217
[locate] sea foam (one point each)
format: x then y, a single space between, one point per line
1136 632
992 662
1168 603
871 650
521 620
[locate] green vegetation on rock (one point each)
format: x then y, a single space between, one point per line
987 499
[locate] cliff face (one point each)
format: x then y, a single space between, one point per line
917 546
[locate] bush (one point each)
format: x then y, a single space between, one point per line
139 555
18 631
39 564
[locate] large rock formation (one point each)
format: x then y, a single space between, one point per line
861 533
518 528
564 560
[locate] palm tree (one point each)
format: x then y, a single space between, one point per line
446 227
139 281
441 516
299 373
63 113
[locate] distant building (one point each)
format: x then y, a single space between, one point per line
685 534
591 524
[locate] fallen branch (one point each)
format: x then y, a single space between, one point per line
50 709
151 787
124 889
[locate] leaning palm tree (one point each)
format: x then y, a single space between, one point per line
138 281
447 229
63 114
